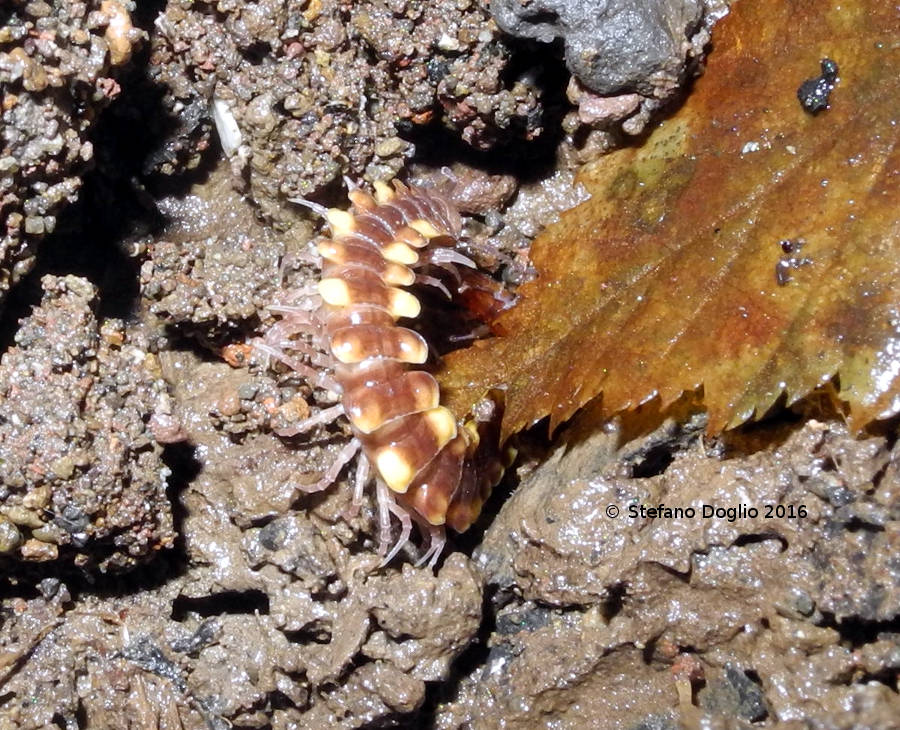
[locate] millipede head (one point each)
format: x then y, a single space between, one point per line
433 489
433 507
460 517
494 473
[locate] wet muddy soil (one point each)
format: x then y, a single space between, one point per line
163 566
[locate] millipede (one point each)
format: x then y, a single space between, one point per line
428 466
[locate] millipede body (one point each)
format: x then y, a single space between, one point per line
436 469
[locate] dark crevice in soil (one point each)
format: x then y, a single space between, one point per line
649 651
205 340
60 721
228 602
123 155
886 676
257 52
684 577
146 12
857 631
857 524
85 243
526 159
437 147
758 537
184 465
86 580
91 236
307 636
649 448
654 462
474 656
889 429
148 576
615 600
25 577
13 587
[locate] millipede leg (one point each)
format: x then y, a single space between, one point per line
359 484
307 258
330 476
296 317
316 377
325 416
304 297
316 356
433 282
386 507
446 256
281 334
277 332
437 539
319 210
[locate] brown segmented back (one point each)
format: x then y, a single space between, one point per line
356 343
371 405
430 468
416 446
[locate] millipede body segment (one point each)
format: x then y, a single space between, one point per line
439 471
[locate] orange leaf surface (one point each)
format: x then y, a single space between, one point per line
665 280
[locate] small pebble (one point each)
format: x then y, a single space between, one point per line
10 537
39 551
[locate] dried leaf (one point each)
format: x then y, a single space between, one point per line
665 281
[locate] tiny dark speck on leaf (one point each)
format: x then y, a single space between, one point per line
813 93
791 260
